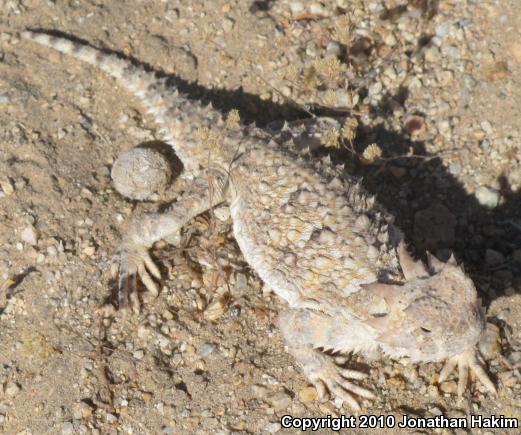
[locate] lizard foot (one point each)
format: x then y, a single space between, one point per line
466 362
327 377
134 261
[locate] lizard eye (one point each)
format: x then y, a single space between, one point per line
427 331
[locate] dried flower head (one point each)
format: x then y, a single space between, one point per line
329 68
372 153
330 98
343 29
331 138
349 129
291 73
209 138
233 119
310 79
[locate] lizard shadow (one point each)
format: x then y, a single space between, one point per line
436 213
251 107
483 239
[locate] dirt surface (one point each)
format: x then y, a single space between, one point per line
436 85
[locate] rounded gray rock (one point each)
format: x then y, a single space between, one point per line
140 173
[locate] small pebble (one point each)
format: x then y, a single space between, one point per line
514 358
279 400
11 389
89 251
273 427
259 391
443 29
449 387
455 168
206 349
77 414
85 409
138 354
318 9
453 52
296 7
222 213
508 379
67 428
432 391
432 54
415 125
52 251
29 235
494 258
241 282
510 291
228 24
488 197
7 186
307 394
333 49
140 173
111 418
435 411
163 341
487 127
81 410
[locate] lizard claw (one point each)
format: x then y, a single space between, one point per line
134 261
330 378
466 362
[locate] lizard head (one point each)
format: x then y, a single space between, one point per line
434 315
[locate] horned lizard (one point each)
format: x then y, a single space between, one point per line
317 239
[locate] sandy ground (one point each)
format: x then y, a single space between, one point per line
435 84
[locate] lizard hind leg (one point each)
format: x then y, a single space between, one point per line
134 258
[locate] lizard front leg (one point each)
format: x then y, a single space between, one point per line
204 193
304 331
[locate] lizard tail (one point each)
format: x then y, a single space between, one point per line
133 77
169 108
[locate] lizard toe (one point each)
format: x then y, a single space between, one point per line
127 285
147 280
340 391
352 374
466 362
327 377
135 261
322 393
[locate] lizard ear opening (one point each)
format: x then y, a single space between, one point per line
411 269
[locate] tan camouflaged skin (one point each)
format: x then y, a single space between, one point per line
314 236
